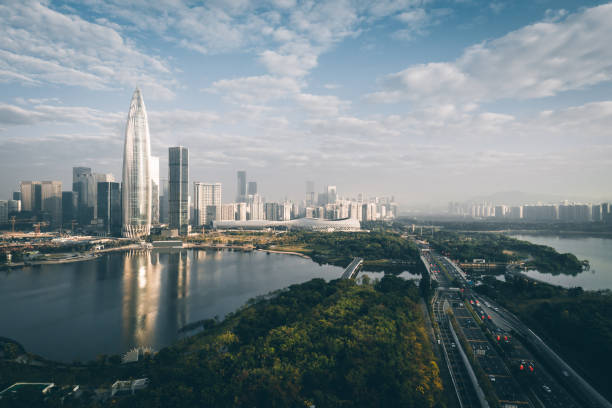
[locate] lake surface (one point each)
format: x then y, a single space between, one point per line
597 250
76 311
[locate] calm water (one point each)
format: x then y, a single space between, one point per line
76 311
597 250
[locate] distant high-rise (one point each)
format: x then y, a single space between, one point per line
241 188
70 202
51 201
43 198
178 182
14 206
163 201
28 195
136 186
16 195
207 202
252 188
109 206
83 184
154 190
4 211
255 207
310 193
332 195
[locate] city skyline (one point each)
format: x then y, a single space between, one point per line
293 93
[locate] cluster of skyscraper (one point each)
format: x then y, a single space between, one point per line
562 212
99 204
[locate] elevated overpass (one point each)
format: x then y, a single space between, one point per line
352 269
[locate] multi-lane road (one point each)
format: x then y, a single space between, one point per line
521 369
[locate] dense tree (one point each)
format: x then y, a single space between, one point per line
327 344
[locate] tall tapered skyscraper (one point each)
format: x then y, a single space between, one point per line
136 187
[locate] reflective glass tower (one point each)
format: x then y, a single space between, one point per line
136 186
178 181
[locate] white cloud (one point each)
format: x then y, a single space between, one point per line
536 61
321 105
256 89
41 113
289 64
39 45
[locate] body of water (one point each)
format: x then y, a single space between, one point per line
76 311
598 251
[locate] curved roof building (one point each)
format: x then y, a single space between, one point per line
136 187
313 224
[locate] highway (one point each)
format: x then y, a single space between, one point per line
544 389
464 389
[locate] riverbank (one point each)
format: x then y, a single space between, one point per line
74 257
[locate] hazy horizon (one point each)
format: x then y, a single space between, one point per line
427 101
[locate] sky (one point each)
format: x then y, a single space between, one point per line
425 100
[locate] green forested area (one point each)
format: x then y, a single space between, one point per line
340 247
327 344
576 322
501 248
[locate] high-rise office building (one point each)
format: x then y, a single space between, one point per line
252 188
28 195
17 195
207 203
163 201
4 211
43 198
99 178
178 182
310 193
109 207
241 188
83 184
136 180
332 195
14 206
70 203
51 201
154 190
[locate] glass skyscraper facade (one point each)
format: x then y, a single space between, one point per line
109 207
178 185
241 189
136 186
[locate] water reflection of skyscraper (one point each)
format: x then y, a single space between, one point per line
144 317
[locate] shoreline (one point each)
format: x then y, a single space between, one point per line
277 251
546 232
88 256
83 256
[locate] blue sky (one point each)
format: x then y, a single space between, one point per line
425 100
